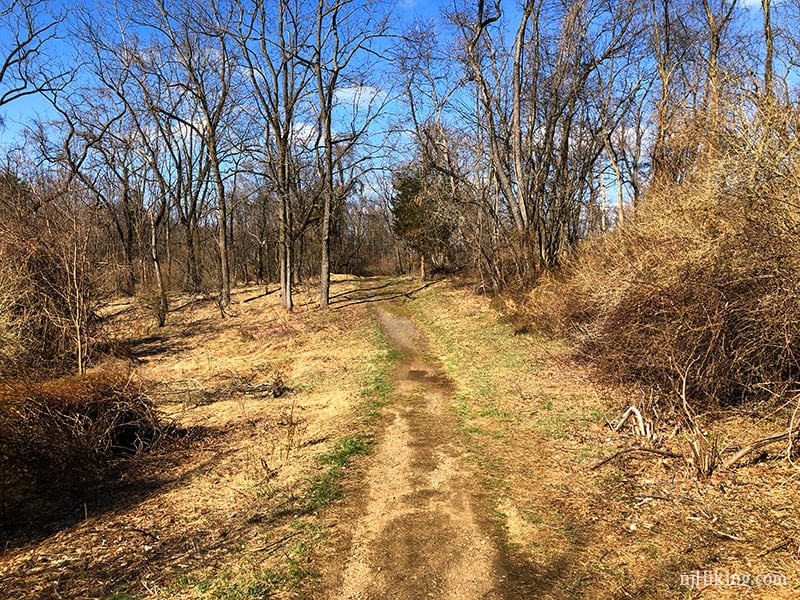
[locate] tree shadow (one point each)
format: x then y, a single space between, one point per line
157 345
367 295
41 511
562 575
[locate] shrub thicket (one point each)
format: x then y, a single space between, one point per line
66 432
47 292
702 288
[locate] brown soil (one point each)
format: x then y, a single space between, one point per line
422 533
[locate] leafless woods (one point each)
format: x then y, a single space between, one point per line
190 145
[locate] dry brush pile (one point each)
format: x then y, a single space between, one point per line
57 431
68 432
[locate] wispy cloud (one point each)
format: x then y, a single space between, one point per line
407 4
359 96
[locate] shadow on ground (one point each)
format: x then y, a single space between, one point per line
33 515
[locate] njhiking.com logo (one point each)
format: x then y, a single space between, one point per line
717 578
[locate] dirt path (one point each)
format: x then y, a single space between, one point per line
423 533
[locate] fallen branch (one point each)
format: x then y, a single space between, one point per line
635 449
767 441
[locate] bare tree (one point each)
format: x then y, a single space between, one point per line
539 98
344 37
27 27
673 48
197 35
719 17
270 38
140 77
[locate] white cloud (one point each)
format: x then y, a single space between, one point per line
304 134
359 96
407 4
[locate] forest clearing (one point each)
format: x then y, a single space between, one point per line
422 448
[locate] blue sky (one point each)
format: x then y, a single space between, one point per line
16 115
23 111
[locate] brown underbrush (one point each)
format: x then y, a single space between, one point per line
67 432
696 298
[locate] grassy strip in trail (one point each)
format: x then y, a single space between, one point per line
476 353
532 424
377 386
497 401
327 487
375 392
519 421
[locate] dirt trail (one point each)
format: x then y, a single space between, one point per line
422 533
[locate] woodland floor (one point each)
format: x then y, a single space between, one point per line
425 449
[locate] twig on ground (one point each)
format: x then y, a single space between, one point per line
144 532
635 449
774 548
654 497
727 536
272 546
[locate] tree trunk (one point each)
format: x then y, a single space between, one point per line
192 270
224 263
612 158
770 49
286 254
325 261
222 234
163 307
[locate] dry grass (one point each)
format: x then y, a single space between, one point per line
535 423
697 296
240 506
233 508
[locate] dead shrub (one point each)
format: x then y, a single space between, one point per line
68 431
47 283
35 316
704 287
